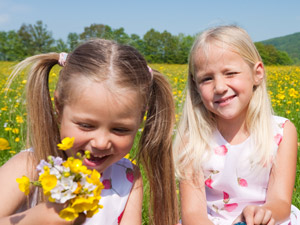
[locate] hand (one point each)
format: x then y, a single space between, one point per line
255 215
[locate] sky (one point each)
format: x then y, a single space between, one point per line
262 19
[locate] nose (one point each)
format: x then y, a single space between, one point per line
220 85
101 141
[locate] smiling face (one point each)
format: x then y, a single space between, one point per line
225 82
103 122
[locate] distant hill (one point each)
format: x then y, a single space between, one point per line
289 43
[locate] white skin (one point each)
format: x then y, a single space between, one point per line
225 83
101 122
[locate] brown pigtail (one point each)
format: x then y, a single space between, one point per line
156 152
43 132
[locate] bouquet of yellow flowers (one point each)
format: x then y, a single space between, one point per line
68 182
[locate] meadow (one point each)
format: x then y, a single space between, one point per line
283 83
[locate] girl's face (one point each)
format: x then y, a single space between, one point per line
103 122
225 82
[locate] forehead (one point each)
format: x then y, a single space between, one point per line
92 91
214 55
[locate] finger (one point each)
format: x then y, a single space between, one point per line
272 221
267 216
248 214
259 216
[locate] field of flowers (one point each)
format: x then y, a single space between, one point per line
283 83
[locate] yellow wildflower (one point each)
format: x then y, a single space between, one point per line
4 145
48 183
24 183
19 119
66 143
81 204
15 130
68 214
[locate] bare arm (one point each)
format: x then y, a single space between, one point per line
281 184
193 201
133 210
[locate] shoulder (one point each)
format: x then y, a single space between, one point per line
19 165
280 121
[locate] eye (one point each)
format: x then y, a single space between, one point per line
205 79
85 126
231 73
121 130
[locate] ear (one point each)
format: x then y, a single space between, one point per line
258 73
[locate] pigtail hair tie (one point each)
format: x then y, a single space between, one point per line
62 59
151 72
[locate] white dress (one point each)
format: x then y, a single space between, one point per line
118 180
231 183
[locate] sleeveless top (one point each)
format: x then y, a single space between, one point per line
117 180
232 183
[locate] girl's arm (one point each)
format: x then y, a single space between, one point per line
133 210
281 184
12 198
193 201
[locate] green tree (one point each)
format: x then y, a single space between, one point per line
36 38
153 47
184 45
61 46
119 36
271 56
72 41
96 30
136 42
11 48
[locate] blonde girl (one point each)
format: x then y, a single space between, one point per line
236 161
102 95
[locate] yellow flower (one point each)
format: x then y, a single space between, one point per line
17 139
94 177
93 211
15 130
68 214
75 165
24 183
19 119
66 143
128 157
81 204
4 145
48 183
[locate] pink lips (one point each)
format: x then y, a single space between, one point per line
224 101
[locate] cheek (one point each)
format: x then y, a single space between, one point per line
125 144
205 93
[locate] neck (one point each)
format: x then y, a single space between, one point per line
233 131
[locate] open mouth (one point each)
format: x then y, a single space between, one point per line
95 160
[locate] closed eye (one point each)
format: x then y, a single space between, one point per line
205 79
85 126
231 73
121 130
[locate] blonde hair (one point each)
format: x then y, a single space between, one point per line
192 141
101 60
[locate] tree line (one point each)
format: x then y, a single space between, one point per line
157 47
